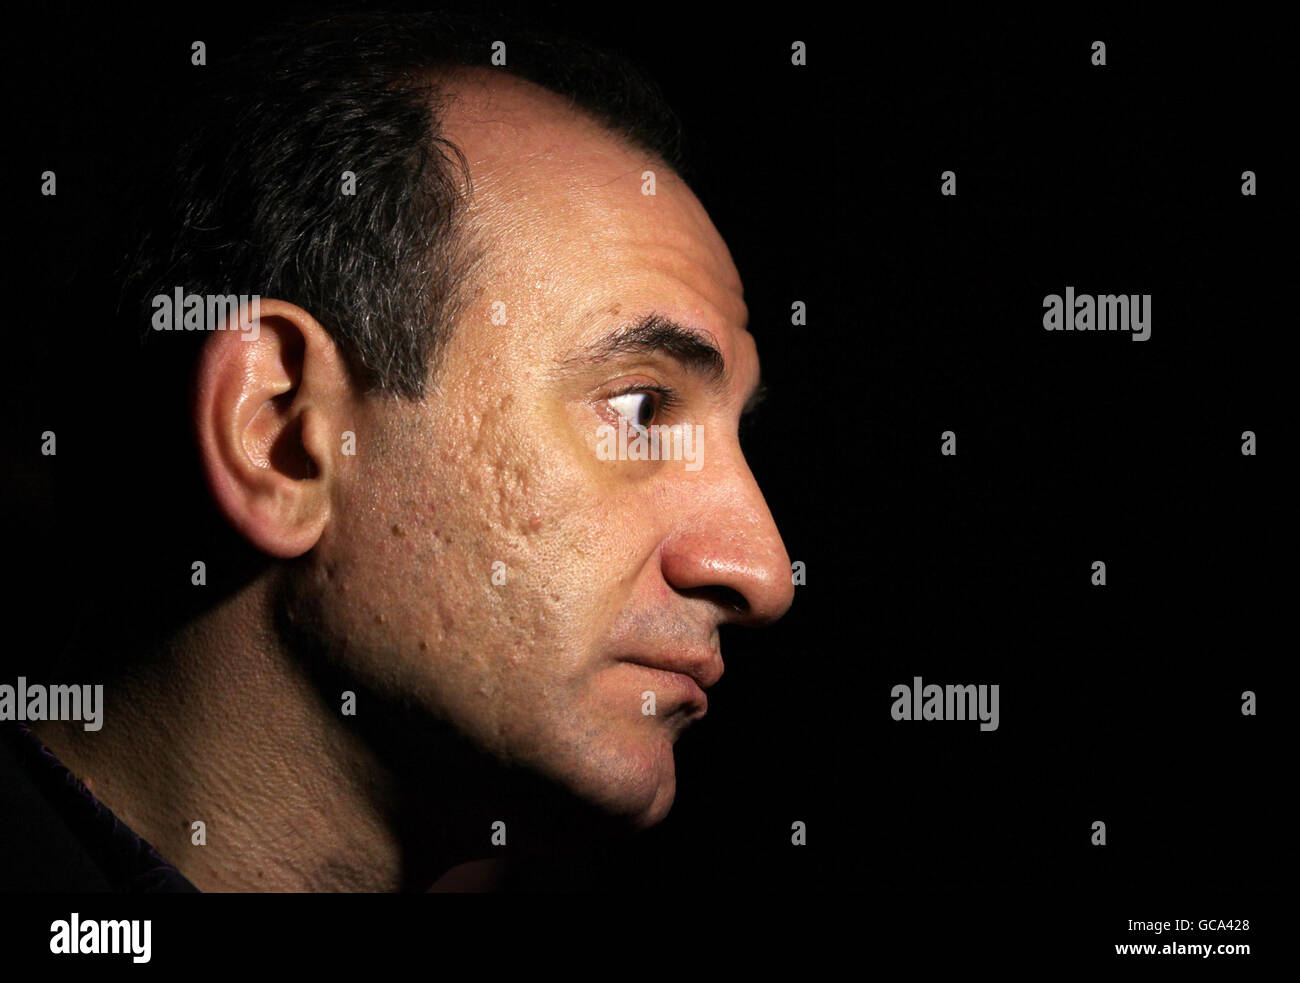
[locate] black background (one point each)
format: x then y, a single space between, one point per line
1119 703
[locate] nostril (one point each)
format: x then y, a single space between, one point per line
725 597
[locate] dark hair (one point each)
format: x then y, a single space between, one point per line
251 204
254 204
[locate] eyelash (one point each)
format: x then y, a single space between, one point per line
668 398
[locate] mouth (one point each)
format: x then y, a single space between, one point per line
682 678
676 690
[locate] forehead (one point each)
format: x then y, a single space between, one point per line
562 206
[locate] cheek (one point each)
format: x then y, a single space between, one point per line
471 541
481 565
526 509
481 577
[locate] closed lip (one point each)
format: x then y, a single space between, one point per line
705 669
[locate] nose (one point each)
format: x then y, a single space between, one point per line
728 549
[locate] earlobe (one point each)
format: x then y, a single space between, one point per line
263 401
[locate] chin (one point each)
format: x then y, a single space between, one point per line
659 807
633 783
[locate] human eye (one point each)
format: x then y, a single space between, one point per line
641 405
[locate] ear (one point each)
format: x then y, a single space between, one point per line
270 403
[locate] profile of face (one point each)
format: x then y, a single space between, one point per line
478 554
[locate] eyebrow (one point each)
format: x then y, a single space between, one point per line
656 334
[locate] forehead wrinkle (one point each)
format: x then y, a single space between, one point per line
688 253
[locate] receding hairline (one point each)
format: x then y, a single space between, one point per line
475 95
458 93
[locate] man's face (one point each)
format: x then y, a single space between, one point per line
482 556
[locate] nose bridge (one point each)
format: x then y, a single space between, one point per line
730 540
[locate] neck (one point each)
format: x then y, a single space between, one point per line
225 725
